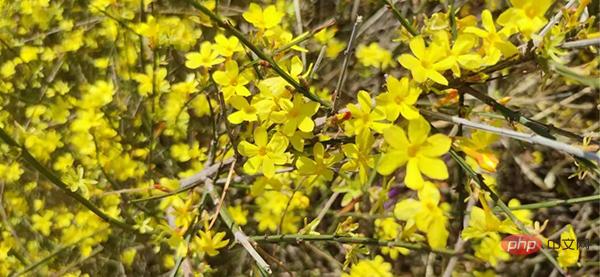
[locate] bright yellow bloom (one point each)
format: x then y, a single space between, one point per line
461 52
231 81
263 155
245 111
490 249
359 155
568 253
145 81
43 223
483 223
206 58
296 114
426 213
363 117
210 244
388 229
376 267
400 98
495 43
419 151
321 166
525 15
426 62
375 56
238 214
226 47
263 19
478 148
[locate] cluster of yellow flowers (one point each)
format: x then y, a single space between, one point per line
121 101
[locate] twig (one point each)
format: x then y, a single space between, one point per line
499 203
460 243
540 36
536 126
299 28
342 78
581 43
531 138
559 202
401 18
233 31
61 185
220 204
295 238
238 234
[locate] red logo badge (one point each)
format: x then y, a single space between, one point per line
521 244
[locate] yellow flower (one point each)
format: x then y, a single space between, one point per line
145 80
264 156
245 111
483 223
419 151
478 148
206 58
525 15
263 19
568 253
325 35
373 55
495 43
359 155
321 166
208 243
128 255
231 81
376 267
29 53
363 117
460 53
296 114
388 229
490 249
238 214
400 98
43 223
226 47
426 62
427 214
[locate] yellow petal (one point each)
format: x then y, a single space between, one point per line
413 178
418 130
433 168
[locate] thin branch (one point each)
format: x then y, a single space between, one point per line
558 202
536 126
531 138
233 31
295 238
347 54
581 43
220 203
401 18
61 185
540 36
499 203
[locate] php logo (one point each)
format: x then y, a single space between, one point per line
521 244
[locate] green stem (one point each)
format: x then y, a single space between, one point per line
401 18
295 238
500 204
61 185
558 202
233 31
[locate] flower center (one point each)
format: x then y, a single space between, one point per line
262 151
413 150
